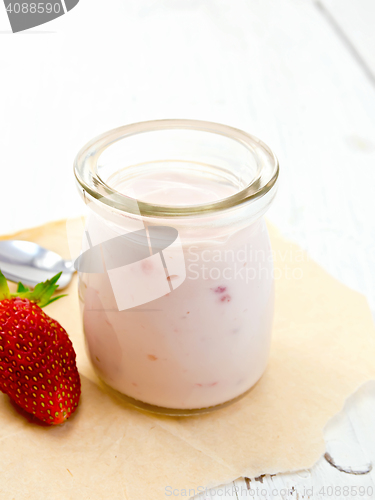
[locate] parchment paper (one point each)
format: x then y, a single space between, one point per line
323 349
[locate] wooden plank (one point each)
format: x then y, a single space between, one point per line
323 125
277 69
354 22
350 440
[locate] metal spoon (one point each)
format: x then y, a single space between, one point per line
30 263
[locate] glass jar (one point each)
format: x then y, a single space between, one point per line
175 274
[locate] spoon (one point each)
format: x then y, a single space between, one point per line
30 263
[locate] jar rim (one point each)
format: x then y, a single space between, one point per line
89 180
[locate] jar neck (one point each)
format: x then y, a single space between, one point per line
221 153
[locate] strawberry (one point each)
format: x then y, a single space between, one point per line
37 361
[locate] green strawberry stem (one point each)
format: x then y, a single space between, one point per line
4 289
41 294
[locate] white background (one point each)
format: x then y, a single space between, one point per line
276 69
300 74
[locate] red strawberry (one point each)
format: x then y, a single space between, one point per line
37 360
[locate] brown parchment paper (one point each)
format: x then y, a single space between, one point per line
323 349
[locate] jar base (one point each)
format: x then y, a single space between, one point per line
171 412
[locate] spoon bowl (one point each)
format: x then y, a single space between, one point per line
30 263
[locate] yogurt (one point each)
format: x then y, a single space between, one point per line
203 343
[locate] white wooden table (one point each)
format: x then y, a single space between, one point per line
300 74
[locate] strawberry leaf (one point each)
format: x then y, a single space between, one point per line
55 298
21 288
41 294
43 291
4 289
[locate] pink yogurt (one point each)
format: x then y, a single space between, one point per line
206 341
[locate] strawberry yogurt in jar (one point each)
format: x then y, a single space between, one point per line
175 274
